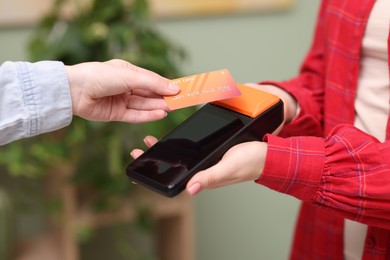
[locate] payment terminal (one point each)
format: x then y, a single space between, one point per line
203 138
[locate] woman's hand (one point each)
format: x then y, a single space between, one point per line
290 104
118 91
241 163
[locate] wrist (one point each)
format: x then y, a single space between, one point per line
263 156
74 90
291 107
292 110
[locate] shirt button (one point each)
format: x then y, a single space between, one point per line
370 242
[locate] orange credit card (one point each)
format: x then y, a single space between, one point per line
203 88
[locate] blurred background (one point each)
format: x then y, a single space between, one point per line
65 195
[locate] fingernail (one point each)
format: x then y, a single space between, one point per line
146 141
194 189
173 87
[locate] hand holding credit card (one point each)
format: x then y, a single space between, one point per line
203 88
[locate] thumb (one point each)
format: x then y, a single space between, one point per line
140 78
207 179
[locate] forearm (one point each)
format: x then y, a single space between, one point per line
307 88
34 99
339 173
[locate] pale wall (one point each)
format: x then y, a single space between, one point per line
244 221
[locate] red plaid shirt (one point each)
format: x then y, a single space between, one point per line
337 170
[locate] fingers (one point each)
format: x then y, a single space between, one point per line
150 141
141 116
207 179
243 162
194 188
133 109
118 91
136 153
142 103
139 78
144 93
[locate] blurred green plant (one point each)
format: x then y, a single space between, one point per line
98 152
103 30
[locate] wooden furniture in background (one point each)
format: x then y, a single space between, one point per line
174 220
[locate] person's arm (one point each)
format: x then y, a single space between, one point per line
348 172
40 97
304 91
308 87
34 98
117 90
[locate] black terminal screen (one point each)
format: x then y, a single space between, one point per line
169 160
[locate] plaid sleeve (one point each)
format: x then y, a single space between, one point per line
348 172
